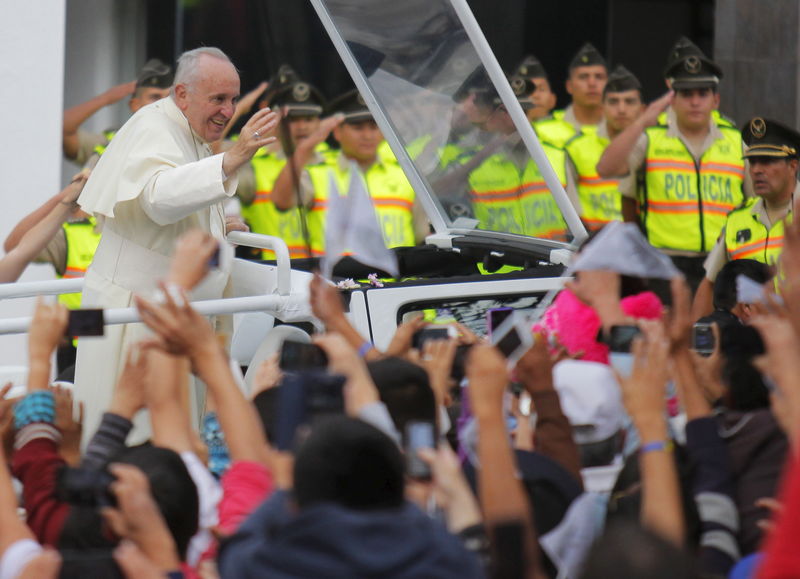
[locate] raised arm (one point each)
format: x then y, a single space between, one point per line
283 191
644 396
502 496
614 161
74 117
39 235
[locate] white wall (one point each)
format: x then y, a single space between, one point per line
31 74
54 54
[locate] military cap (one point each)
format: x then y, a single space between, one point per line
768 138
278 82
588 55
298 98
622 80
687 67
154 74
522 87
530 67
351 104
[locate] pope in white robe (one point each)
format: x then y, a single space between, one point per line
156 180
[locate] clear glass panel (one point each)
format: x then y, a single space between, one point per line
429 80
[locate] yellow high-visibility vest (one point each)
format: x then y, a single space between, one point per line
391 193
600 198
82 242
684 204
747 238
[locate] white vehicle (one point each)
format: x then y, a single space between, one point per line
427 74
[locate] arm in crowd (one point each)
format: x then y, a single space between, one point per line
283 191
713 484
778 326
23 245
128 398
326 304
643 394
74 117
553 434
502 497
614 161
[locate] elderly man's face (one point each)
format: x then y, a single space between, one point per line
209 100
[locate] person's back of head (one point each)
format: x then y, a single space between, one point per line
725 295
405 390
746 389
630 551
349 463
172 488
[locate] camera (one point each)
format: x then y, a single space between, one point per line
703 338
85 487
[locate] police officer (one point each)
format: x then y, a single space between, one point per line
755 231
691 165
399 213
600 198
152 84
586 80
542 97
301 105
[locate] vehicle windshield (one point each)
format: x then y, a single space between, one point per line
445 120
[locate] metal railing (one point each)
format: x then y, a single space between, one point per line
284 305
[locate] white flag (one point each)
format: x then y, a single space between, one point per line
352 227
622 248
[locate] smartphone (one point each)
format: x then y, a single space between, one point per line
304 399
620 338
495 317
85 323
513 338
418 434
441 332
703 338
302 356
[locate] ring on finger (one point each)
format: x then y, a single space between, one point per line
256 135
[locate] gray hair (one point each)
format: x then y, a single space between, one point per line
186 71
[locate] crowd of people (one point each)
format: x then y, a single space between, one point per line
615 446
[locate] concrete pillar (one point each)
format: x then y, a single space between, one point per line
757 43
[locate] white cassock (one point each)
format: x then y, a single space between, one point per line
156 180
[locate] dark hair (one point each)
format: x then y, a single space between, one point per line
172 488
629 551
725 296
350 463
405 390
745 384
625 501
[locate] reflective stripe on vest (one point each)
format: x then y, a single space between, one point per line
685 205
82 242
600 198
747 238
391 193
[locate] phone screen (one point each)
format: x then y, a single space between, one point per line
495 317
621 338
418 435
509 342
85 323
425 334
703 338
302 356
